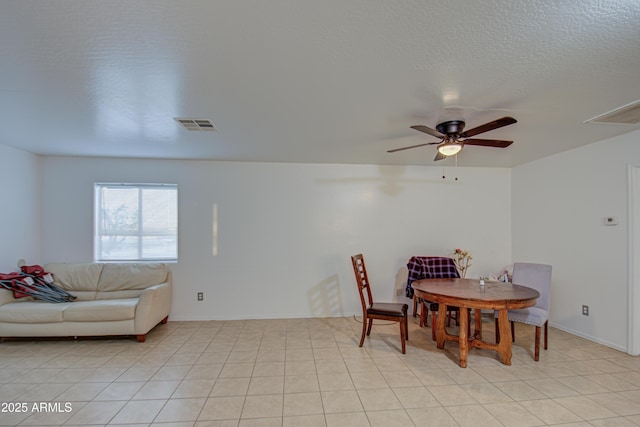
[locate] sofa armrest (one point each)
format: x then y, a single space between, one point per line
6 296
154 306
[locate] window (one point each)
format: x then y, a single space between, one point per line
136 222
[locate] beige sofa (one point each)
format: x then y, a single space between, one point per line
112 299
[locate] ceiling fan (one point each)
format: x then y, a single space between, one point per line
452 138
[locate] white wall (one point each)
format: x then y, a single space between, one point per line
558 206
286 231
20 210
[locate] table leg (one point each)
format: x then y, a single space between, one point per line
441 332
504 330
464 341
477 333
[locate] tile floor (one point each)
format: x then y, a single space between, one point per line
311 372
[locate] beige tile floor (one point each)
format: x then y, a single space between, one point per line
311 372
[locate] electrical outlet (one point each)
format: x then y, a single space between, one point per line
399 292
200 296
585 310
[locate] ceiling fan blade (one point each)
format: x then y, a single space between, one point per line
504 121
439 156
428 130
413 146
488 142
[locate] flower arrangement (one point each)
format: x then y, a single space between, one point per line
462 260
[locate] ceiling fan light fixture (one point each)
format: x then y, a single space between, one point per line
449 148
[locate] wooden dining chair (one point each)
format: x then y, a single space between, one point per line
538 277
396 312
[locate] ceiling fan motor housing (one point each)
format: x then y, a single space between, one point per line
451 128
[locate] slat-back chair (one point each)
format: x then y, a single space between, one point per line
396 312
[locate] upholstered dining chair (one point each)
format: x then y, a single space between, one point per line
396 312
538 277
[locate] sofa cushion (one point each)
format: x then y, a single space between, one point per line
124 294
103 310
116 277
85 295
75 277
33 312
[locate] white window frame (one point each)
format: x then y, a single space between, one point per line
99 229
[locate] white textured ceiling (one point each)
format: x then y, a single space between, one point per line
331 81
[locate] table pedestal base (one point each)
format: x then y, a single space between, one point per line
503 347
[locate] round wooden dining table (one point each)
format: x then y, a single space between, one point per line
468 294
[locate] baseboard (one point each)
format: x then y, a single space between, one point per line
588 337
262 317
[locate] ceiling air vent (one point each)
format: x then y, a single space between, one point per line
627 114
196 124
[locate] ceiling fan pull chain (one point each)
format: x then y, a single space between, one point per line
456 178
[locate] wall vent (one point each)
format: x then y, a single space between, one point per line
196 124
627 114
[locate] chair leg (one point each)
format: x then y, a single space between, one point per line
402 337
424 312
513 333
545 334
369 327
406 326
433 325
536 354
364 331
497 330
